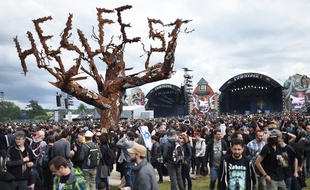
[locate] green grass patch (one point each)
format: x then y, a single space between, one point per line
202 183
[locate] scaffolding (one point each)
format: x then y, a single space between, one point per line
1 96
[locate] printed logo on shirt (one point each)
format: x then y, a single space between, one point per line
237 177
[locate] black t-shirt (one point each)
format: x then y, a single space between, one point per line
289 155
64 179
237 173
297 147
270 164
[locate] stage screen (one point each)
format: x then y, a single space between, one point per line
298 100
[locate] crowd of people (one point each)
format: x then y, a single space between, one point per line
235 151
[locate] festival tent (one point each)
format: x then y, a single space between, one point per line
95 115
82 115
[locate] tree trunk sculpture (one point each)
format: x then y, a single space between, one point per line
113 87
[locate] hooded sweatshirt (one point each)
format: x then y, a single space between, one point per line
145 178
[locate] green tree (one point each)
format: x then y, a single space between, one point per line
41 117
8 110
34 109
82 107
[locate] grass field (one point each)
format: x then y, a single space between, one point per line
202 183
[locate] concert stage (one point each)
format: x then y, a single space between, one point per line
251 93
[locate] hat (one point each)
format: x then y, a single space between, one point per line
37 137
275 132
85 128
39 134
89 134
138 149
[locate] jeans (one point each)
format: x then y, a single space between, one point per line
288 183
129 175
213 176
22 184
158 166
175 176
185 176
39 172
48 179
308 160
106 181
90 177
199 162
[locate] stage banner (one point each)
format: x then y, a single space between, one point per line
144 130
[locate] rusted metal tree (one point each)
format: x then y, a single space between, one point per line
112 88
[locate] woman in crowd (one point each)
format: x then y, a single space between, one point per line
186 164
205 134
156 157
105 167
200 149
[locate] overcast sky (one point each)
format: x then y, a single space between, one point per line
231 37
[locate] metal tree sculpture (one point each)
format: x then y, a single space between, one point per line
113 87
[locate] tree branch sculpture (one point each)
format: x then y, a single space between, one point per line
113 87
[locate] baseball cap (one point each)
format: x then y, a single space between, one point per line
275 132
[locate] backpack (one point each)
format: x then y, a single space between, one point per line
3 160
93 158
163 142
35 147
44 156
109 156
177 154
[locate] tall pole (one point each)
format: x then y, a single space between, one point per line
187 87
1 96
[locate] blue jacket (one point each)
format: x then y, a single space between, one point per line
168 150
125 144
187 149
